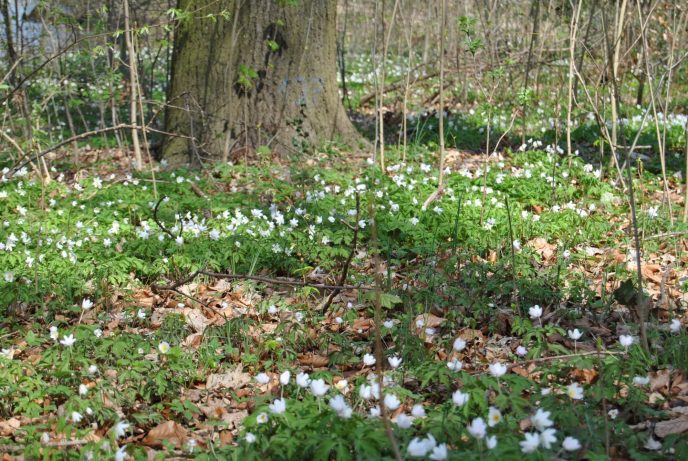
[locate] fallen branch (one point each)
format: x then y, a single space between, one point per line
345 269
88 134
176 284
287 282
569 356
61 444
668 234
396 86
160 225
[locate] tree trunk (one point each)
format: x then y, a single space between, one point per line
260 72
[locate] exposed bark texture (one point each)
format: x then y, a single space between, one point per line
263 74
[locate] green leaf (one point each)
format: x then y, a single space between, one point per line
388 300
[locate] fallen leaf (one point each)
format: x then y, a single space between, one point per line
584 375
234 420
167 432
233 379
673 426
196 320
8 427
428 321
193 340
541 247
592 251
226 438
659 381
469 334
313 360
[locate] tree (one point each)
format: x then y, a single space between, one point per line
251 73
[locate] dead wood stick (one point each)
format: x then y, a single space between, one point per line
161 226
294 283
61 444
345 269
88 134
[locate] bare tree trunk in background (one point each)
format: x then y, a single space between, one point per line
584 49
685 181
20 98
443 20
542 35
535 15
619 17
380 71
383 65
134 88
284 74
408 31
572 57
653 104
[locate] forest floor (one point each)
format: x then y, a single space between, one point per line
196 314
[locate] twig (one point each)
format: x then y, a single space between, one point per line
194 147
197 190
396 86
379 355
14 66
570 356
432 197
668 234
293 283
88 134
157 221
14 144
345 269
133 86
201 303
64 443
513 254
177 283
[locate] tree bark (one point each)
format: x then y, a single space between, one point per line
262 73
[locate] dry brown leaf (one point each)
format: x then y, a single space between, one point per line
215 409
659 381
469 334
429 320
655 397
679 386
159 315
196 320
525 424
362 324
233 420
313 360
233 379
593 251
193 340
222 285
167 432
189 289
146 299
519 370
584 375
652 272
226 438
673 426
7 427
424 321
541 247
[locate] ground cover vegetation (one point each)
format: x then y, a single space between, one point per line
473 281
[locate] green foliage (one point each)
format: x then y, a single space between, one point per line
455 258
246 77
